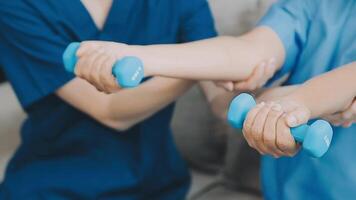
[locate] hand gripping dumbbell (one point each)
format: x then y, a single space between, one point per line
315 138
128 71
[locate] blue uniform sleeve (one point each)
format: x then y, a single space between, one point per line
290 20
196 21
31 52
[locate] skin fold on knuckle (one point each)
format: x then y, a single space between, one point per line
256 133
274 151
106 86
93 76
98 76
284 147
269 142
263 148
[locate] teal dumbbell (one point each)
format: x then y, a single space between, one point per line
128 70
315 138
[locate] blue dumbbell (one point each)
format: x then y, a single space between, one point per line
128 71
315 138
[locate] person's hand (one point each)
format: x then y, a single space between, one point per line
267 127
261 74
345 118
95 62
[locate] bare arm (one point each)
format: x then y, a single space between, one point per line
329 93
125 108
218 98
276 93
221 58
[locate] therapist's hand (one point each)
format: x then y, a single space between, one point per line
267 126
345 118
95 62
261 74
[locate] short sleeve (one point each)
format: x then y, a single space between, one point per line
290 20
196 21
31 52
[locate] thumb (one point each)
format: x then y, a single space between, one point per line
297 117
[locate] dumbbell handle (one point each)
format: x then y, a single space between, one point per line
319 133
128 70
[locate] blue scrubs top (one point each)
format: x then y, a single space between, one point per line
65 154
318 36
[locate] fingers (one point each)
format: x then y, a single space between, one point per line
266 131
284 139
298 116
95 73
261 74
350 113
347 124
257 129
84 64
87 46
270 129
253 81
335 119
106 78
270 70
227 85
348 117
248 124
95 66
345 118
95 63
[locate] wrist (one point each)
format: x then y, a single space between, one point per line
121 50
301 102
141 53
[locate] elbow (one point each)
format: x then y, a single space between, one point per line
106 116
110 120
118 124
123 127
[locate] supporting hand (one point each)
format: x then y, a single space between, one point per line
345 118
261 74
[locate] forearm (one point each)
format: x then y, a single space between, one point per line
218 98
329 93
125 108
221 58
132 106
276 93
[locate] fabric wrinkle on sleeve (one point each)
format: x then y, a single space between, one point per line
290 21
33 61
